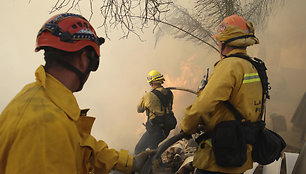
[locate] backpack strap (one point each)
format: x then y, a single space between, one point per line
165 100
236 113
261 69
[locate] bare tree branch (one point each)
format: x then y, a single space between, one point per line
208 14
132 16
91 10
188 33
182 19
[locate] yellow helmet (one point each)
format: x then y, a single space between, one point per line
155 76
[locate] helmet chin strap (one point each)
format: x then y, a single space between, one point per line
82 75
93 66
222 49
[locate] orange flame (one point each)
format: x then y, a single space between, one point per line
189 77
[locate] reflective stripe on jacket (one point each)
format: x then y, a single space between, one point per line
233 79
151 103
41 132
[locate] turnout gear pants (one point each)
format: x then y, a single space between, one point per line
151 138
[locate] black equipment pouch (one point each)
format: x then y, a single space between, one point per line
267 145
228 143
168 121
230 139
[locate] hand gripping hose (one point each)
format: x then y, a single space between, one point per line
147 168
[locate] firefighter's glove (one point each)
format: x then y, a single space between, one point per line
140 159
186 136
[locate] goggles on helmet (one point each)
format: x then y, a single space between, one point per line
155 77
68 32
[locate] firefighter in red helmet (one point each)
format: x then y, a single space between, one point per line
42 129
235 82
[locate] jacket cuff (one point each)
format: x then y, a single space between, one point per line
125 162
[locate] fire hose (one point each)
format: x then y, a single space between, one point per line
182 89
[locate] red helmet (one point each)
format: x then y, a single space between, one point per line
234 20
68 32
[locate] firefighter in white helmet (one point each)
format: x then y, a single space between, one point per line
158 106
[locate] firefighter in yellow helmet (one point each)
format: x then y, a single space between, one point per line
43 130
235 80
158 106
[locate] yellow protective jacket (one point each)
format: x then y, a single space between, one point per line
151 104
41 132
233 79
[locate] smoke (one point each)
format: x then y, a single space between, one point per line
282 46
189 77
115 90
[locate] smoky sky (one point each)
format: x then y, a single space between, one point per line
113 92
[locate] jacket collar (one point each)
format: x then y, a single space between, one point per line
159 87
58 93
234 51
